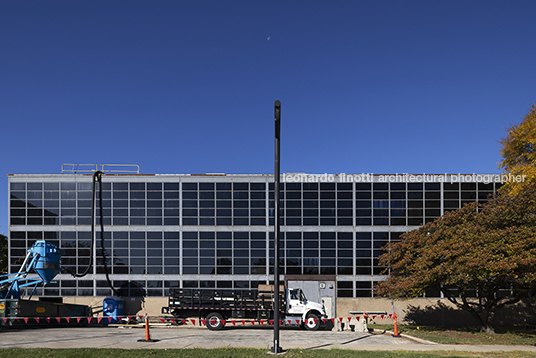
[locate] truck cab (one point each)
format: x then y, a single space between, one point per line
309 313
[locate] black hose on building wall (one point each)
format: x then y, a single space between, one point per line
103 256
97 177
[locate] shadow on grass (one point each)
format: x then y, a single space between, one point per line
522 314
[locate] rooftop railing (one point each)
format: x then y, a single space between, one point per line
105 168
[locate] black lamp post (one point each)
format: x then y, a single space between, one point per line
277 231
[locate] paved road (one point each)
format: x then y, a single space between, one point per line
185 337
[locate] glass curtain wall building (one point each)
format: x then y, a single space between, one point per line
161 231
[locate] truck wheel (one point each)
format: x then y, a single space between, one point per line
214 321
312 322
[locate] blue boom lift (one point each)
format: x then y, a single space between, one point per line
43 258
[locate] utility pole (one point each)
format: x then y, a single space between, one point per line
277 230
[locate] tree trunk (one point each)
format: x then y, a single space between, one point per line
487 318
487 329
483 316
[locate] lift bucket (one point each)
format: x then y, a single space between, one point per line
48 263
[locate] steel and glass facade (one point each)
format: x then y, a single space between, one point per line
161 231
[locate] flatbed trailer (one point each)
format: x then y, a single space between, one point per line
216 306
16 312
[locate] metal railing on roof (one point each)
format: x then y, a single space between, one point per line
105 168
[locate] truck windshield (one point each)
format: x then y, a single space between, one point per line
302 296
297 295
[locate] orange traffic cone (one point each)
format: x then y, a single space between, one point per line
395 334
147 334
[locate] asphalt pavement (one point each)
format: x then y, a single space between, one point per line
253 337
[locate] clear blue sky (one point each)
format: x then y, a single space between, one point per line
189 86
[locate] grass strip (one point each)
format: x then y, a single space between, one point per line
465 335
242 353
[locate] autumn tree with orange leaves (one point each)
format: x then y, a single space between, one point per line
481 257
519 152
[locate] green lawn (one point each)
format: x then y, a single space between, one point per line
466 335
240 353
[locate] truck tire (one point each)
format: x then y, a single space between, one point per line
214 321
312 322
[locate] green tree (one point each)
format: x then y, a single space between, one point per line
519 151
481 257
3 254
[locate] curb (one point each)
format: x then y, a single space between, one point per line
411 338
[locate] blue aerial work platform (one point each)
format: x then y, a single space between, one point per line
43 259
